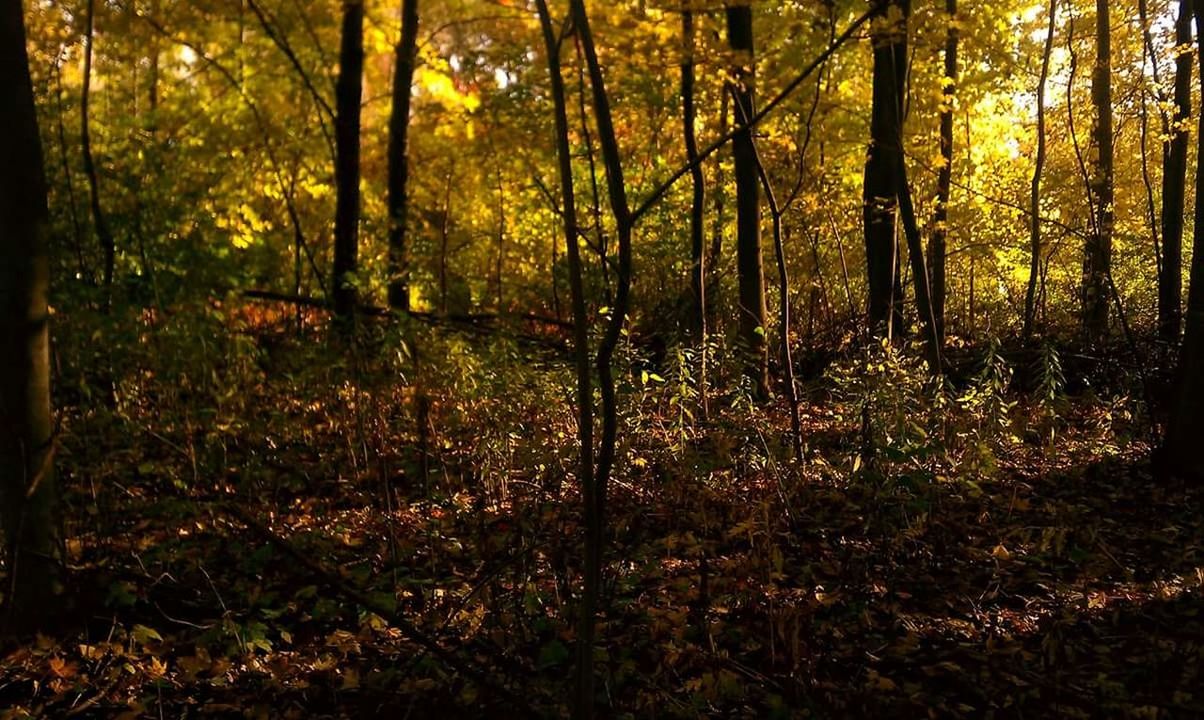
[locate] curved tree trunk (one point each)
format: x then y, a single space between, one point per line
28 493
595 493
399 158
348 95
749 261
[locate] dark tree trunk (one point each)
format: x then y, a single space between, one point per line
1097 256
879 194
348 95
1174 178
1185 428
28 493
697 205
940 220
100 223
1034 269
749 260
595 492
399 159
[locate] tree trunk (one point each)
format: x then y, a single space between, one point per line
1185 428
100 223
697 204
940 220
879 193
348 95
595 504
28 493
1034 269
749 261
1097 256
399 159
1174 178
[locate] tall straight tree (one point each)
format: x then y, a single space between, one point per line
1185 428
940 219
698 199
28 493
348 96
749 261
1097 253
100 222
399 157
1174 181
1034 266
889 37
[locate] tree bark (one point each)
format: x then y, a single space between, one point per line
749 260
348 96
399 158
1097 256
697 204
28 494
1034 269
104 235
879 193
940 219
1174 180
1185 428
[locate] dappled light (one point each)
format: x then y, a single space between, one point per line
568 358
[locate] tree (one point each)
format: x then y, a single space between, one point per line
1034 268
348 95
749 260
28 492
940 220
100 223
1174 180
880 198
399 158
1185 429
698 264
1097 252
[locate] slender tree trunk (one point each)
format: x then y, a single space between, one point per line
749 260
595 503
1174 176
100 223
1034 269
348 96
880 189
77 231
719 223
29 516
784 291
940 220
399 157
585 396
1097 260
1185 428
697 205
919 269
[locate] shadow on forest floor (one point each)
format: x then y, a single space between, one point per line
1067 586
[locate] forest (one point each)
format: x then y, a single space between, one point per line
601 358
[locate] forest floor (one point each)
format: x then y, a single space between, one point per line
283 572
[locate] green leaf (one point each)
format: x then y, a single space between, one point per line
144 635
